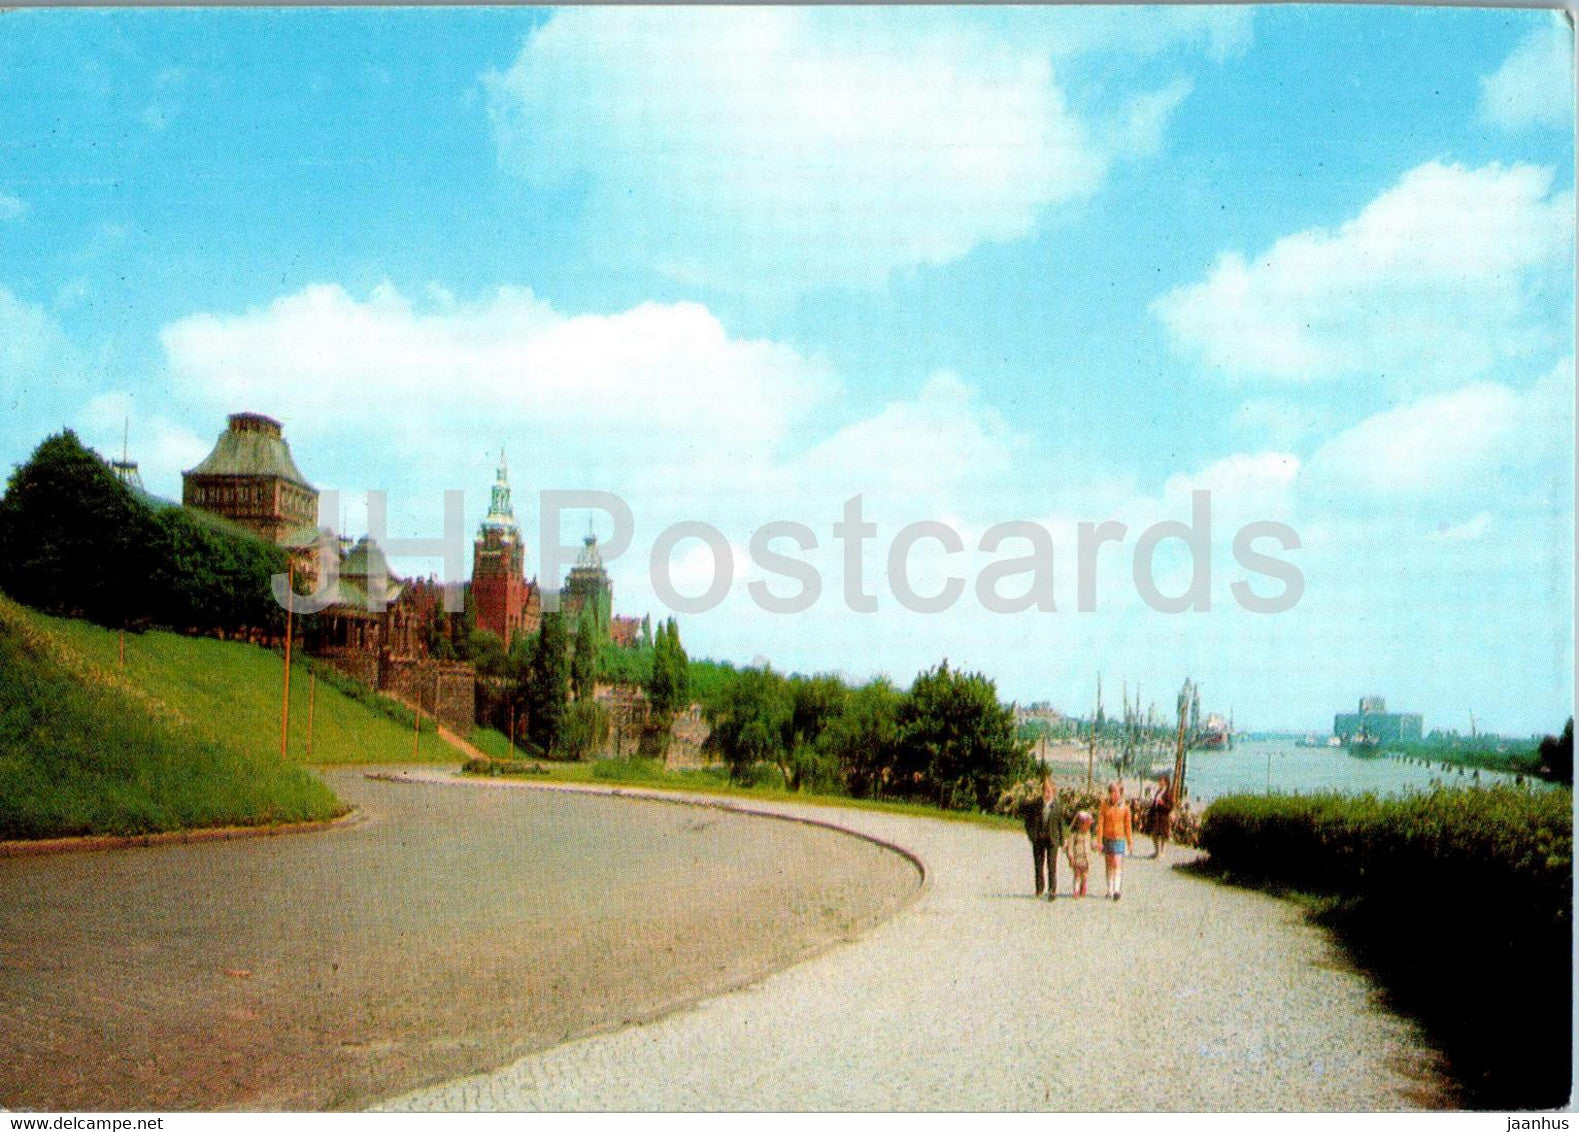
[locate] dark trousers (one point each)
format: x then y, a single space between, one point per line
1045 857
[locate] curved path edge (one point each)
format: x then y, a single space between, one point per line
673 797
944 1005
95 842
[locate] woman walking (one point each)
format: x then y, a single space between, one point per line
1160 825
1114 825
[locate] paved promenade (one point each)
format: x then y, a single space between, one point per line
452 930
1185 995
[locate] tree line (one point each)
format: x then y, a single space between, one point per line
77 542
947 741
541 689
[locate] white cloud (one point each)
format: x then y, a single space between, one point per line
1535 84
1147 116
782 149
1473 439
28 336
12 208
510 360
156 444
1436 280
925 448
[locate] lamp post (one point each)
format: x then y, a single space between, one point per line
285 702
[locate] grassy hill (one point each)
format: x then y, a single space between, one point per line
185 735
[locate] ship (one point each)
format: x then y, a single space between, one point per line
1364 744
1216 734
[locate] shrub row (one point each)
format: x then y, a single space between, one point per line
1451 897
493 768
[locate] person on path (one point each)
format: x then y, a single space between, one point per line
1160 820
1114 824
1044 825
1077 847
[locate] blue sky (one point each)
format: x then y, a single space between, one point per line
979 265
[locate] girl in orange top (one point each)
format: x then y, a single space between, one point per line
1113 821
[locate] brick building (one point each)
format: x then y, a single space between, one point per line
589 588
250 479
508 605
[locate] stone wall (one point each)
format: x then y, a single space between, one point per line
361 666
628 715
444 688
686 735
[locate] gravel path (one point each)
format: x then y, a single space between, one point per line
1186 995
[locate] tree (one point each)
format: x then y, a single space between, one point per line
1557 755
750 722
486 652
862 738
586 728
545 690
956 744
804 757
669 689
75 540
584 657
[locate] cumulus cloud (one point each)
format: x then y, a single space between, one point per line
507 361
1473 439
1437 280
1535 84
157 444
783 149
924 448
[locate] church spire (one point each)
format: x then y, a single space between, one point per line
500 513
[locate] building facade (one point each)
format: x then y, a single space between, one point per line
588 589
1375 722
250 479
507 604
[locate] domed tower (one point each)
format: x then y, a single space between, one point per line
588 587
505 600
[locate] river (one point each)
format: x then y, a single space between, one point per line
1254 766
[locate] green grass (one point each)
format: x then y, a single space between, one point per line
85 749
229 693
651 773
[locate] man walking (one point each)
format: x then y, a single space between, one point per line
1046 827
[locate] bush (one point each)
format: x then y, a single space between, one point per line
76 541
585 730
629 770
1423 885
493 768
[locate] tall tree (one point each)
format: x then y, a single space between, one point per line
584 657
546 693
669 689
